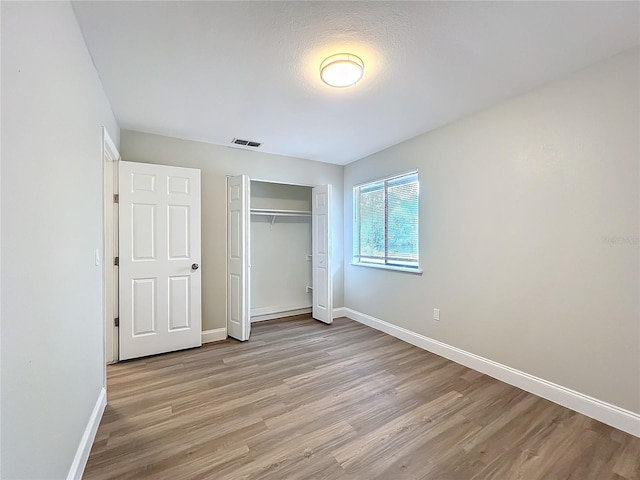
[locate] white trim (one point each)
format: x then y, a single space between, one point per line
86 442
387 177
339 312
214 335
282 183
415 271
269 313
592 407
278 311
110 157
109 146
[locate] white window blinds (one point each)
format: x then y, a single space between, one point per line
386 221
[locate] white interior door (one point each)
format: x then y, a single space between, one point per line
159 236
238 258
321 265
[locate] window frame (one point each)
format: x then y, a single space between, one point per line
357 252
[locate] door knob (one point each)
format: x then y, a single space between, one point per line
195 266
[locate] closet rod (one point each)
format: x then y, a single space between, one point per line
280 213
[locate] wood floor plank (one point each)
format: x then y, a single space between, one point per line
304 400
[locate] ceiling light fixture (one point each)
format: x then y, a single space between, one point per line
341 70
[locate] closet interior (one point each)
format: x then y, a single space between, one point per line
280 250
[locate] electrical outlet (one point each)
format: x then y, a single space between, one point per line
436 314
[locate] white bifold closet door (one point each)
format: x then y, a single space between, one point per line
159 257
239 253
321 250
238 292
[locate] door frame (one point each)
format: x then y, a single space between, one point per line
310 185
252 179
110 158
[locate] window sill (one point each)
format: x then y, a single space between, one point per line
415 271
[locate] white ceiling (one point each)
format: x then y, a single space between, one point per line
212 71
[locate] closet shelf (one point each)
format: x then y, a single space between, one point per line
280 213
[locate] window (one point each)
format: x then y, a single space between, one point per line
386 222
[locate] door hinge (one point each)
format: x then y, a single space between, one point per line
116 322
116 198
116 261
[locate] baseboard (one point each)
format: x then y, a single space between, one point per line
269 313
86 442
592 407
339 312
214 335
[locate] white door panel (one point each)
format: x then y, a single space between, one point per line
160 292
238 295
322 289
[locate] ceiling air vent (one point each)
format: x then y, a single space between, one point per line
246 143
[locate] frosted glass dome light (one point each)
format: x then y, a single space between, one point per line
341 70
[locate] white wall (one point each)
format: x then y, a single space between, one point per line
529 234
280 269
53 107
216 162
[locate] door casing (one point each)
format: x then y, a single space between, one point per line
329 317
111 157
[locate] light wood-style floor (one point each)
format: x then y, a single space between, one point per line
304 400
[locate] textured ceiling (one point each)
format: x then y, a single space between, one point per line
212 71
